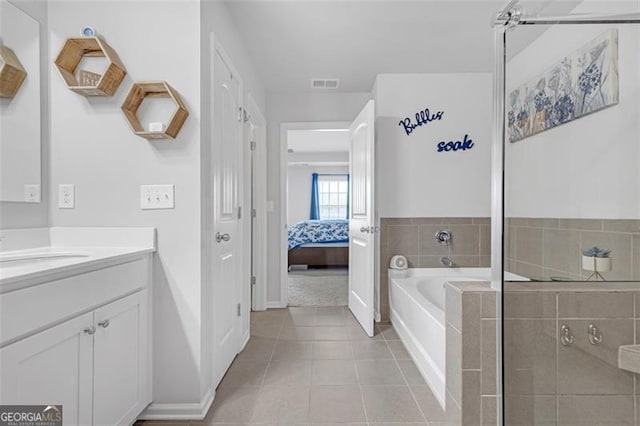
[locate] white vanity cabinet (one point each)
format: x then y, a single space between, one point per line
51 367
88 348
120 380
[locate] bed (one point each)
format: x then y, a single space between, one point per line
319 243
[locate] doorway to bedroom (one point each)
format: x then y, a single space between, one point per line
317 261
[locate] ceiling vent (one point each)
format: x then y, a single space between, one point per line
325 83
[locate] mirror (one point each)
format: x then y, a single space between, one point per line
20 114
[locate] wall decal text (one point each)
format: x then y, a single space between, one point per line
422 118
465 144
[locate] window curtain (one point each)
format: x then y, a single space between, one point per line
314 213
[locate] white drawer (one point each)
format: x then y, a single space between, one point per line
36 308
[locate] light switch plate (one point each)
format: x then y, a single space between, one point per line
154 197
32 193
66 196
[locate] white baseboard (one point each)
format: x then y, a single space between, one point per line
186 411
276 305
245 340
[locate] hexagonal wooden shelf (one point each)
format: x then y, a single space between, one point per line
12 73
154 89
71 55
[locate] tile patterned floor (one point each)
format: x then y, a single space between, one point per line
315 366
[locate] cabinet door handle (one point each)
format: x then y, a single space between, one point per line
90 330
104 323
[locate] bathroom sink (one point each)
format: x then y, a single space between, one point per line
36 256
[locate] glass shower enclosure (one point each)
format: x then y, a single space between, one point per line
567 200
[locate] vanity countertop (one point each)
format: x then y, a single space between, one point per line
64 262
71 251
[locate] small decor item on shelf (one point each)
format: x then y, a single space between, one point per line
88 31
157 127
12 73
154 89
70 56
88 78
596 260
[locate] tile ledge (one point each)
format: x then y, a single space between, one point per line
471 286
629 358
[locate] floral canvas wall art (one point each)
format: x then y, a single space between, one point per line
583 82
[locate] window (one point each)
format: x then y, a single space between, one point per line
333 194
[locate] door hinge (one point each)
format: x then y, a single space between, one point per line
253 280
252 145
240 212
254 213
239 307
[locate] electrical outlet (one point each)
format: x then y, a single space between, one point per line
153 197
66 196
32 193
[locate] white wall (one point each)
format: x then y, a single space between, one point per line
35 215
93 147
299 189
414 180
291 108
590 167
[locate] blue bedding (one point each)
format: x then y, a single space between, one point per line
318 231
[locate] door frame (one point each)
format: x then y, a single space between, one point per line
284 145
259 194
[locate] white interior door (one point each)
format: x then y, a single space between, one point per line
361 224
227 124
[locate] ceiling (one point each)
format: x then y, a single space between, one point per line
293 41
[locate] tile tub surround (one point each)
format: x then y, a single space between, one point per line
579 384
315 366
546 247
414 238
471 353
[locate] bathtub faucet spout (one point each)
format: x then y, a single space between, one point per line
447 262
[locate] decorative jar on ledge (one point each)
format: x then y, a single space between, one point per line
596 264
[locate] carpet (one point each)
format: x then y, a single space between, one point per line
319 287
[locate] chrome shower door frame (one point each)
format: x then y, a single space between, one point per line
506 20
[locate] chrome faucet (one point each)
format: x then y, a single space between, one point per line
447 262
443 237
